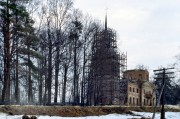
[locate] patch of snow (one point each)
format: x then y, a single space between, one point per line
110 116
169 115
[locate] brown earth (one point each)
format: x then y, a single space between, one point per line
72 111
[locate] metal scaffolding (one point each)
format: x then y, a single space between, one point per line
106 69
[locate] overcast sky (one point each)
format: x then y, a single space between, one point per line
149 30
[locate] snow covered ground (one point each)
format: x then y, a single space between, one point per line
169 115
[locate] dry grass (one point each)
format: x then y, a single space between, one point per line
70 111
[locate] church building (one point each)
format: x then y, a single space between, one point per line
109 83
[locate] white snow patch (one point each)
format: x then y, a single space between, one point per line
169 115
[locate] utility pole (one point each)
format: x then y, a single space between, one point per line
162 74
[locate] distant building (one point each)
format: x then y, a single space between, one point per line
136 90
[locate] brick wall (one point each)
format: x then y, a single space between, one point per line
136 75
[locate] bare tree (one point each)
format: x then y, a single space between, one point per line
88 31
74 35
61 12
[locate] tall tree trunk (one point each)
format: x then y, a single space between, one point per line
64 84
40 81
40 89
6 32
57 62
83 79
17 79
17 95
49 82
30 96
75 82
46 83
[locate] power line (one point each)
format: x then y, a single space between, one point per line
162 74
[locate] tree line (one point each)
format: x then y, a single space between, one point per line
45 51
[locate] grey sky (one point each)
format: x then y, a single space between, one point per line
149 30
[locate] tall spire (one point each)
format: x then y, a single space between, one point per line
106 20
